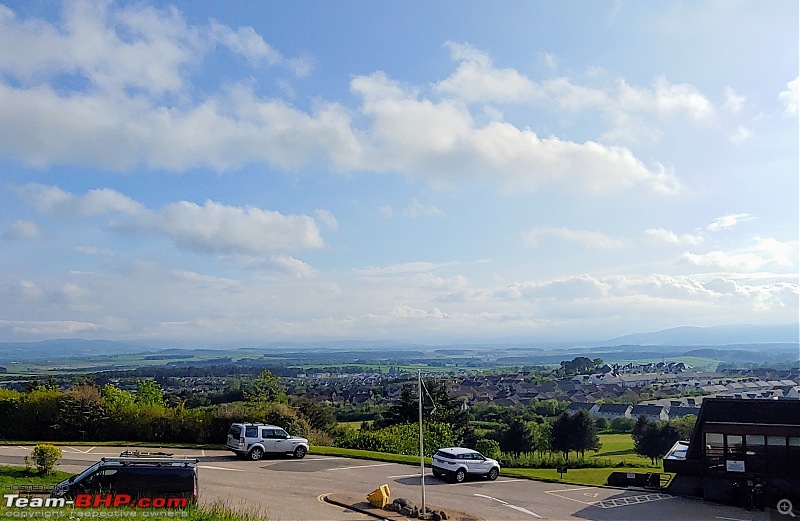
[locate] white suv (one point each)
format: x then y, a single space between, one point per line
458 463
253 440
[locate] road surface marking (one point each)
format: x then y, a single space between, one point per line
407 476
631 500
509 505
363 466
484 482
220 468
568 489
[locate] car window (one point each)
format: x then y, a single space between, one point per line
268 433
250 432
280 433
235 431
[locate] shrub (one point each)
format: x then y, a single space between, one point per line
489 448
44 456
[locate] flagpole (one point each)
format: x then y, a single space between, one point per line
421 446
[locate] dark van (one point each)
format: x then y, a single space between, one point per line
135 477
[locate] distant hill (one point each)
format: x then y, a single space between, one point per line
755 338
64 348
709 336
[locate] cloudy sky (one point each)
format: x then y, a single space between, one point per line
218 172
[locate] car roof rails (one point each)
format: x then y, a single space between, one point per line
164 461
148 454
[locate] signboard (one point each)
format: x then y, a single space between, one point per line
734 466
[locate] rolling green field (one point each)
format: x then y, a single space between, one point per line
619 449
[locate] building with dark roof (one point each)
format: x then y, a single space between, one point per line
740 452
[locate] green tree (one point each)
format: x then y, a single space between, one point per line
115 398
148 392
584 432
489 448
620 425
266 387
518 437
653 440
404 410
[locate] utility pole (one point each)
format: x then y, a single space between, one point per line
421 447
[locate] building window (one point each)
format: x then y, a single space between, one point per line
755 453
793 461
776 454
715 451
735 447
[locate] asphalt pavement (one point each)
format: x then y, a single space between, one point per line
282 488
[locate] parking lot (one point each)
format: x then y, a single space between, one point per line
285 488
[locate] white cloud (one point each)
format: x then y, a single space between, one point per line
741 135
54 200
404 268
588 239
135 46
416 209
214 227
550 60
791 97
779 253
53 328
294 267
664 236
211 227
327 218
440 143
476 79
122 122
733 102
728 221
21 230
723 261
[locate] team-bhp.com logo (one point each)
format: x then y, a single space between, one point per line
95 501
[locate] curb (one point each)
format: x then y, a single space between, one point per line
327 499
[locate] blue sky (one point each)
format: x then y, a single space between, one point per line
215 172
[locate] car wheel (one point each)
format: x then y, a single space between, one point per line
300 452
256 454
460 475
492 475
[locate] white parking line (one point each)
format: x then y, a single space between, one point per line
220 468
483 482
363 466
509 505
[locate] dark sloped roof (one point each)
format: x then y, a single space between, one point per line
730 410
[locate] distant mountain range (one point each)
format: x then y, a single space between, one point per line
708 336
731 336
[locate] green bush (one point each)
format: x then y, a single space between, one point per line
44 457
489 448
399 439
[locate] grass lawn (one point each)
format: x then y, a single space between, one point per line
20 476
619 449
11 477
616 448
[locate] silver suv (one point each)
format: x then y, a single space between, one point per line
458 463
253 440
